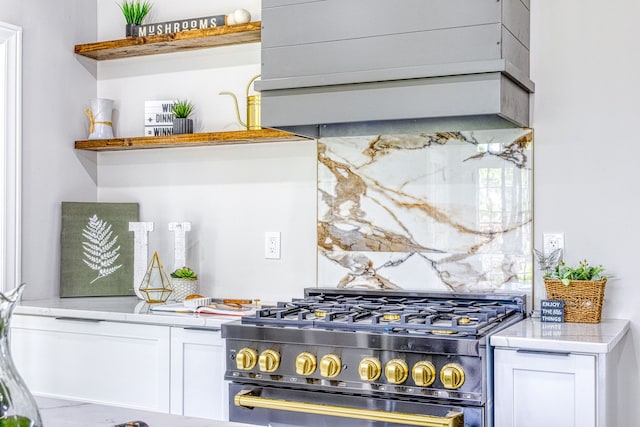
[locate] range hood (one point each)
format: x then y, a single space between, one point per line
330 66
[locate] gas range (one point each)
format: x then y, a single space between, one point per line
394 347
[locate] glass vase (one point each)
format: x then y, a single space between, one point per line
17 406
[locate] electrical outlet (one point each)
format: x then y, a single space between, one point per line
553 241
272 245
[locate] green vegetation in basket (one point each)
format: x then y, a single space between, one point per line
184 273
182 109
583 272
135 11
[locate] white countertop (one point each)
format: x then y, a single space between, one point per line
67 413
575 337
118 309
530 333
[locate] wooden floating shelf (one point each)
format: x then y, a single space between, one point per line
225 35
189 140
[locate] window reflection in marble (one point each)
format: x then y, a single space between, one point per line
446 211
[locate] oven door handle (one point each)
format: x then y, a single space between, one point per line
453 419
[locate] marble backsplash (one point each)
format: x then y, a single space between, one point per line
443 211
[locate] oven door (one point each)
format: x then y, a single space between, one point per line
280 407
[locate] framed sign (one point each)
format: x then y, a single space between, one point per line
552 310
96 249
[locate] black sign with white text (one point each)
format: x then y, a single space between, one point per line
552 310
178 26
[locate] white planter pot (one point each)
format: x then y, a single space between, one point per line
182 288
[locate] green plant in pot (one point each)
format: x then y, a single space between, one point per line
184 282
182 109
581 288
134 12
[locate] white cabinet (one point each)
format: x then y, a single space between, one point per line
537 388
164 368
121 364
565 374
198 388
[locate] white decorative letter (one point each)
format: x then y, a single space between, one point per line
180 243
140 252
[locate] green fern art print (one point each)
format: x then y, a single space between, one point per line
97 249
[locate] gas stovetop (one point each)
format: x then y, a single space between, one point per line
402 312
425 345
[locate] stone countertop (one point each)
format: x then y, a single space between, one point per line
532 334
117 309
68 413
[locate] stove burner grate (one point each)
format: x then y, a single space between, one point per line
456 318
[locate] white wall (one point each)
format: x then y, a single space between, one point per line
55 86
586 64
231 194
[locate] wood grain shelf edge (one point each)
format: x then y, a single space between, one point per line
188 140
172 42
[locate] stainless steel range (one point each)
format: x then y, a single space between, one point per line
367 358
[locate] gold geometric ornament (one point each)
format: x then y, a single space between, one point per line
156 284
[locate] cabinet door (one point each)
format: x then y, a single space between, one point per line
112 363
198 388
534 389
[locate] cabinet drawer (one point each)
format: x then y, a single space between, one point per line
106 362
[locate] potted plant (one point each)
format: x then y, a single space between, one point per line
184 282
182 109
581 288
134 12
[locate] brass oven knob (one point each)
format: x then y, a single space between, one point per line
396 371
269 361
369 369
305 364
452 375
246 359
330 366
423 373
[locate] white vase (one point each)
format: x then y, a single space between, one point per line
99 114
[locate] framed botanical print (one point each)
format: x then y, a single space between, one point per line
97 249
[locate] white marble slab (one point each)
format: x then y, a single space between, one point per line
117 309
532 334
67 413
446 211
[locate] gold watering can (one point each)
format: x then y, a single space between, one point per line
253 108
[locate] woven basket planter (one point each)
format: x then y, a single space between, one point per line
582 299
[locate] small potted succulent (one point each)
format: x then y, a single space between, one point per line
134 12
184 282
580 287
182 109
